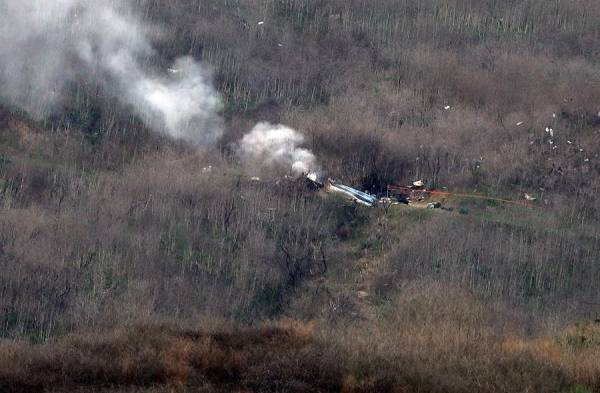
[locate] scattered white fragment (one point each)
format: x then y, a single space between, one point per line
551 142
548 129
280 45
530 197
388 201
418 183
447 107
207 169
519 123
569 142
255 178
581 150
586 160
554 115
262 22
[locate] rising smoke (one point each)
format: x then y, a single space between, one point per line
276 145
47 44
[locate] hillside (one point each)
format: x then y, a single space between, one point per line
157 233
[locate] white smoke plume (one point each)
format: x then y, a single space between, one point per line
47 44
276 145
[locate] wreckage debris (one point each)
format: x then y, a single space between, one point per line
355 195
390 201
313 182
312 176
418 197
415 195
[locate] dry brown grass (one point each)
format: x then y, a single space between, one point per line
432 338
265 359
435 337
575 350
